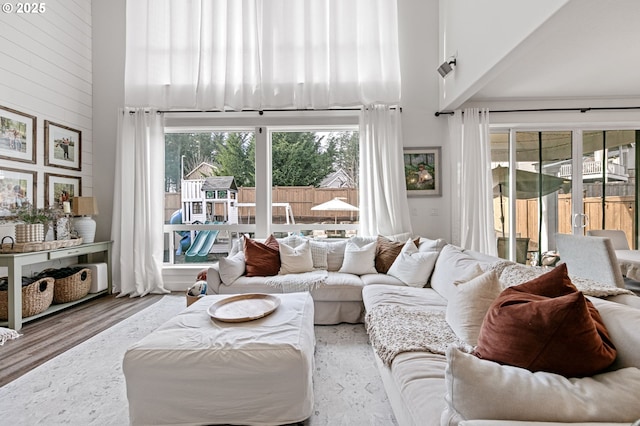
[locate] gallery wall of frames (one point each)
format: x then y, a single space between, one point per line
19 169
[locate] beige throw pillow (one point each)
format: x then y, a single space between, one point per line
359 257
469 304
295 260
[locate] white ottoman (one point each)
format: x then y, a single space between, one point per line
194 370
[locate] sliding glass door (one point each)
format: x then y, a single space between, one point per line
564 181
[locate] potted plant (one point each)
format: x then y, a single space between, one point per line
33 221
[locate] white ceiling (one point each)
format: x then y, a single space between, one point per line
580 54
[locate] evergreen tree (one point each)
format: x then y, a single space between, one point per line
235 156
347 148
300 159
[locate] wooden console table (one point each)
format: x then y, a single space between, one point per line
16 261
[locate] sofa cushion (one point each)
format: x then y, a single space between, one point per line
546 325
335 254
413 267
453 264
339 287
295 259
231 268
372 279
481 389
262 259
359 257
469 305
623 325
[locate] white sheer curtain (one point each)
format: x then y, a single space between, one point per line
258 54
384 208
472 204
136 228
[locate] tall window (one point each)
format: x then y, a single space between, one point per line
217 178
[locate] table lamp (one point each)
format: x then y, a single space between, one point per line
84 208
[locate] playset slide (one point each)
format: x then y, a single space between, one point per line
202 243
185 241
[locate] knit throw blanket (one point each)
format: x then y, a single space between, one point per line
395 329
305 281
7 334
518 274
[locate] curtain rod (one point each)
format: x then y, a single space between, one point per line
582 110
262 111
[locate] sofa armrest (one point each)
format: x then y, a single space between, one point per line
213 279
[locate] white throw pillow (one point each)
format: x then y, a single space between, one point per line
295 260
481 389
413 267
427 244
359 259
453 265
231 268
469 304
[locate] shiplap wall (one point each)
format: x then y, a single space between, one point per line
45 71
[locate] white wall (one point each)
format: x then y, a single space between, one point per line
418 35
108 96
46 71
481 34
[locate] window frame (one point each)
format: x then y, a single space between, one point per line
263 124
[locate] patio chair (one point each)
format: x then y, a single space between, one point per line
618 237
590 257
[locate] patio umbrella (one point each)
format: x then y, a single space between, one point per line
528 185
335 205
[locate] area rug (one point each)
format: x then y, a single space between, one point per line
85 385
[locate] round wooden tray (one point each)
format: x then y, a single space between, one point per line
244 307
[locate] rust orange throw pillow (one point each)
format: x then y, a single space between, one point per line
546 324
262 259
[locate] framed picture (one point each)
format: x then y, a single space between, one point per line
422 171
62 146
60 188
17 188
17 135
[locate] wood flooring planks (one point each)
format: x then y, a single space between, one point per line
48 337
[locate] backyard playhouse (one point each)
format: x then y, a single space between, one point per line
210 200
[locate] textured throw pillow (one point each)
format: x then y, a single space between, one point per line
231 268
359 259
262 259
387 251
546 325
319 253
469 304
295 260
480 389
413 267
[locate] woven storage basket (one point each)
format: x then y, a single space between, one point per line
36 298
72 287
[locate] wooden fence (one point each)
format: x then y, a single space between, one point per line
300 198
619 214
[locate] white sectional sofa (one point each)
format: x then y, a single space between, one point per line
432 379
339 298
455 387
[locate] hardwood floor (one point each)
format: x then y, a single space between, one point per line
47 337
